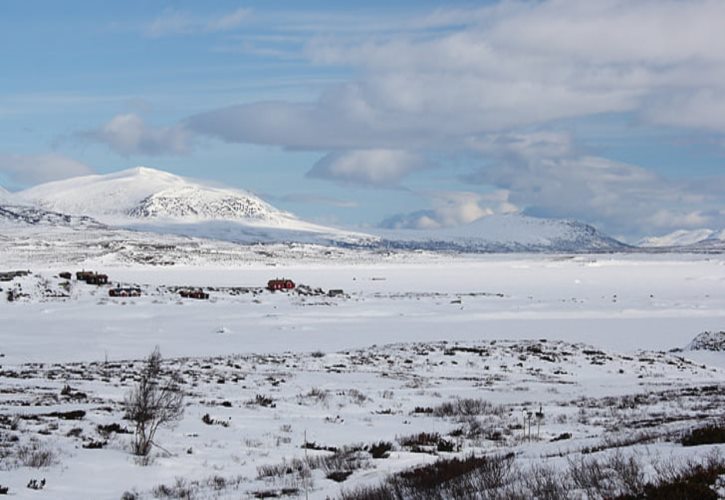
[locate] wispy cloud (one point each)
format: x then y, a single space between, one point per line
128 134
453 208
374 167
476 82
35 169
311 199
173 22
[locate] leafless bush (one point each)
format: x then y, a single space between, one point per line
180 489
314 395
35 454
466 408
186 490
357 397
545 483
588 475
262 400
153 403
629 472
471 477
344 459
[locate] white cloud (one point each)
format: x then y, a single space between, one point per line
619 198
128 134
311 199
35 169
453 208
514 64
376 167
488 83
173 22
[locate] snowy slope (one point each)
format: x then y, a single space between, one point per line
5 196
508 233
17 213
145 192
151 200
144 199
695 240
677 238
33 216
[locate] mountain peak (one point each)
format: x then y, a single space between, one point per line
506 233
147 193
142 171
682 237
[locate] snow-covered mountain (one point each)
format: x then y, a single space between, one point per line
148 193
151 200
5 195
694 240
34 216
16 212
680 238
508 233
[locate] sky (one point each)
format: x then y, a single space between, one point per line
408 114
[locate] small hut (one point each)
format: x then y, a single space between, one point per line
124 292
280 284
194 294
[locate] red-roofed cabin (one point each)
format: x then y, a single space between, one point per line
280 284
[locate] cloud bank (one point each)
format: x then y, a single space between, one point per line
491 84
35 169
128 134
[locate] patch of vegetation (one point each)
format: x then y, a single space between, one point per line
262 400
469 477
467 407
36 455
208 420
381 449
152 403
710 434
688 481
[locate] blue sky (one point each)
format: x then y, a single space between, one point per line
419 114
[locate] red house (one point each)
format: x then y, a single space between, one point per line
280 284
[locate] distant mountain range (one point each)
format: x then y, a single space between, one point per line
508 233
152 201
704 240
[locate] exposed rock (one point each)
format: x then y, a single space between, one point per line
708 341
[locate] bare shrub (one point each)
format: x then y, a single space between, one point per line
315 396
544 483
357 397
342 460
36 455
709 434
186 490
467 407
588 475
154 402
470 477
381 449
262 400
686 480
608 477
629 473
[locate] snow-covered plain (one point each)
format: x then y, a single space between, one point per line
614 302
586 337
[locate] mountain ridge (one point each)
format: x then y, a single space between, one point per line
149 200
508 233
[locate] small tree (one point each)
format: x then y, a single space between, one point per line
153 402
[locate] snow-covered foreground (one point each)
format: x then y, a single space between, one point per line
456 348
